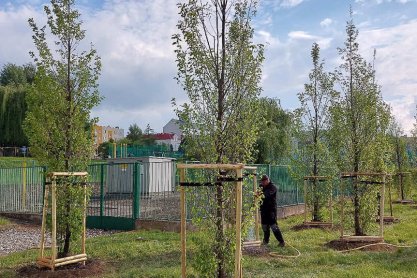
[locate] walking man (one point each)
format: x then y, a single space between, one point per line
269 211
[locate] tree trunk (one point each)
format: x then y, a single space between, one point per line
68 147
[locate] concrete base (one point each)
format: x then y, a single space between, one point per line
284 212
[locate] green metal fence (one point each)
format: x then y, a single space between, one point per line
124 192
21 189
289 190
124 150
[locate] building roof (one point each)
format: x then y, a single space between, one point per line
163 136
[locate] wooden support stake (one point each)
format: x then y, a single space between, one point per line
305 201
342 218
381 213
44 213
53 236
331 202
238 252
84 218
390 199
53 261
255 188
183 227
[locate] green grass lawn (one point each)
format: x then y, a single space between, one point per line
157 254
3 222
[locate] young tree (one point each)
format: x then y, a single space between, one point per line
219 67
273 143
314 116
15 82
149 130
12 74
58 123
400 155
134 133
360 120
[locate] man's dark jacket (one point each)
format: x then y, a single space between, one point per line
269 205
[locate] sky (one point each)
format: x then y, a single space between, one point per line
133 38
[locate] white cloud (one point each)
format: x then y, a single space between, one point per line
290 3
326 22
301 35
266 37
133 39
395 67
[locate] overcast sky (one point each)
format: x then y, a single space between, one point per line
133 39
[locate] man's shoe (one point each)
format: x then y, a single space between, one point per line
281 244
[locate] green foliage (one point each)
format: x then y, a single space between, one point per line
12 113
4 222
360 120
64 92
219 68
201 202
312 156
134 134
65 89
14 75
15 82
221 77
69 214
273 143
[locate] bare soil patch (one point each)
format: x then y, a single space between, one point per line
256 251
91 268
303 226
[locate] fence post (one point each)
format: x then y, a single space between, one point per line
269 170
136 190
43 184
101 192
24 180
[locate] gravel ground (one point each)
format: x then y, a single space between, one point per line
22 236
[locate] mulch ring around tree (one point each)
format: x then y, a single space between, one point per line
404 202
343 245
389 220
91 268
256 251
303 226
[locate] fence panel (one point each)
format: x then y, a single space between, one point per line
21 189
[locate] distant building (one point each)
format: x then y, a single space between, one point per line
173 126
105 133
170 139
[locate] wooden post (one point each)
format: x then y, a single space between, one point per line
52 262
305 201
238 252
331 202
255 188
44 213
183 227
53 236
390 199
84 217
342 218
381 213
